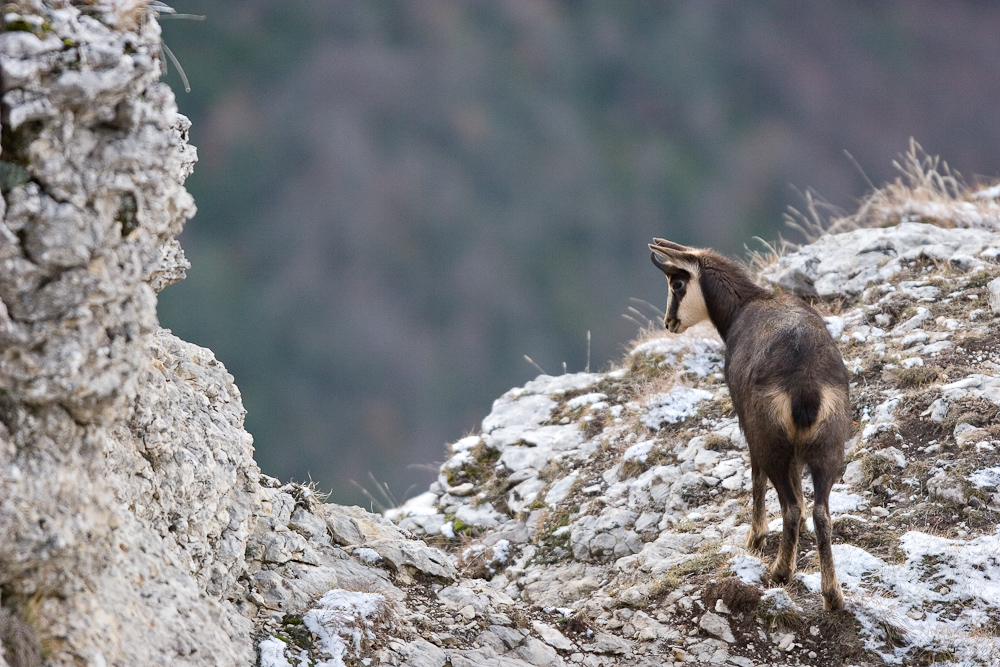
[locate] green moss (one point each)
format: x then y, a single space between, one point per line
128 209
553 548
295 632
482 465
457 524
12 175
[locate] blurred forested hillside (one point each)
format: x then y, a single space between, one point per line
398 200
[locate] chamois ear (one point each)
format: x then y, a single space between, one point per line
671 257
663 243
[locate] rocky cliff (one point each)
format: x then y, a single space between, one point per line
596 518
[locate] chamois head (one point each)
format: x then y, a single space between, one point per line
682 266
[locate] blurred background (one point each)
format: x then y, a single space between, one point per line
399 200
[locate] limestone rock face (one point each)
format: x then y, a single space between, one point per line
136 527
108 530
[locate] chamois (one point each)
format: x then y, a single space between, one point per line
788 385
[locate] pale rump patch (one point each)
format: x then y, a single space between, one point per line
780 406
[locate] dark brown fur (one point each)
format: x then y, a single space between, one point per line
790 391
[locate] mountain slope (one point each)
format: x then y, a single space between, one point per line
614 505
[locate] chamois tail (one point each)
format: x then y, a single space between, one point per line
806 401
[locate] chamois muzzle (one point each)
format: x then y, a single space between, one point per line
673 325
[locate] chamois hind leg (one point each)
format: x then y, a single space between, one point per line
797 485
833 596
758 522
791 515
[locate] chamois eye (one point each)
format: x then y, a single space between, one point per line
676 285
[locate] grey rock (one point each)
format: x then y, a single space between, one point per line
648 629
272 588
344 530
854 473
421 653
891 455
944 486
510 637
994 289
142 490
491 639
607 643
716 625
456 597
482 658
515 532
967 434
552 636
536 652
310 525
409 556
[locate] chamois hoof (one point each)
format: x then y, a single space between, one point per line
781 574
754 542
833 601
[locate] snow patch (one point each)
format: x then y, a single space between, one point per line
701 356
272 653
422 505
341 620
639 451
501 551
951 589
986 477
835 325
585 400
367 555
750 569
674 406
841 502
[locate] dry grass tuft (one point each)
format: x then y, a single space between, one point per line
927 190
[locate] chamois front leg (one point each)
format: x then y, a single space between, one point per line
758 522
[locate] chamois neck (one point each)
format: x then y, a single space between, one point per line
727 287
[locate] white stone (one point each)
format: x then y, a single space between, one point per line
717 626
559 490
854 473
552 636
966 434
994 288
944 486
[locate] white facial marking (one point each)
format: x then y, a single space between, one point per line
692 308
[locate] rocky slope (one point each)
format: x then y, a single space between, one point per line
614 506
596 519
